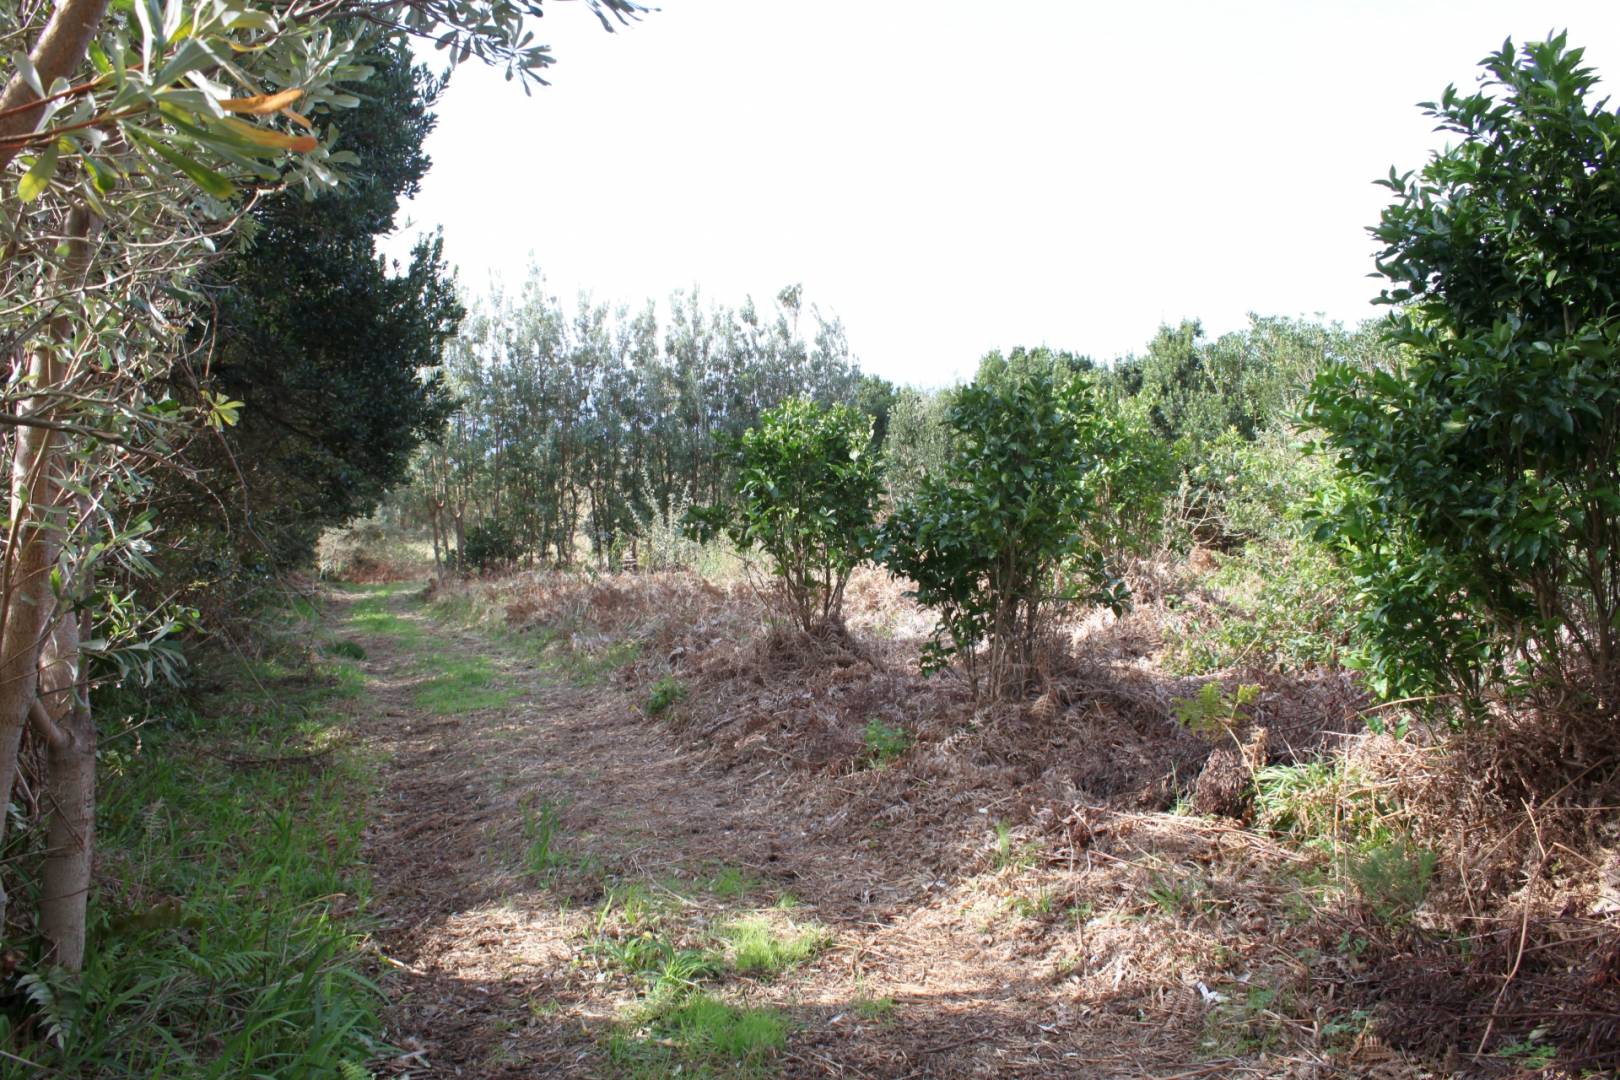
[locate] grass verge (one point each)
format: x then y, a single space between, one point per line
227 919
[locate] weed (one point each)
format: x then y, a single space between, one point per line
1393 878
731 883
1042 904
875 1009
1007 854
541 856
1531 1052
698 1029
1248 1025
462 684
757 948
1179 895
665 693
883 743
348 650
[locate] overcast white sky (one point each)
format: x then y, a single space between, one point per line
950 177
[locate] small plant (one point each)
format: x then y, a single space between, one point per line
883 743
732 883
1039 906
540 854
1006 853
758 948
664 694
348 650
1213 713
873 1009
1393 878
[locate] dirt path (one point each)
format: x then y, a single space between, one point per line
557 882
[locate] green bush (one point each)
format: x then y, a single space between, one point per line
1478 505
807 492
491 543
1029 499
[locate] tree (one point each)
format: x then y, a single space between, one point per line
1006 530
807 488
324 347
1479 502
131 143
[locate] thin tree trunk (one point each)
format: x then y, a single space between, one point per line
70 792
38 513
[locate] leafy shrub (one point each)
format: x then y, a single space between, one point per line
807 492
1017 519
1477 507
491 543
1281 605
1213 713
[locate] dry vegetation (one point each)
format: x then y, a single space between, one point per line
1027 886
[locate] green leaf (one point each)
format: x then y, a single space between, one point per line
207 179
38 176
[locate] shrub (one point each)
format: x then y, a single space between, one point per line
1479 500
807 492
491 543
1016 521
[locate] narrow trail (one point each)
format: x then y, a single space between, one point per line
541 853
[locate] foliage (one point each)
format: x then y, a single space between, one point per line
664 694
918 434
490 544
1016 521
323 345
604 422
216 950
807 487
1278 605
883 742
1479 501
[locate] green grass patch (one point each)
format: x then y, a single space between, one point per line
763 948
697 1034
463 684
227 938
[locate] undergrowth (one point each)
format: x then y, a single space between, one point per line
226 922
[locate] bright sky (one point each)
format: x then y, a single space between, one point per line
950 177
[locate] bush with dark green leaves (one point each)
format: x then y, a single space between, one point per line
490 544
807 490
1017 520
1478 505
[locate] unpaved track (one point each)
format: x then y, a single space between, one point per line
487 964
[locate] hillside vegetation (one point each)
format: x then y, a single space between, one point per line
670 697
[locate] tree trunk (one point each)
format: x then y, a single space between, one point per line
39 513
70 792
57 55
